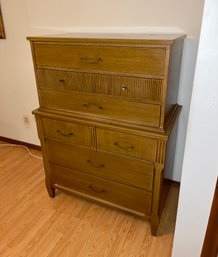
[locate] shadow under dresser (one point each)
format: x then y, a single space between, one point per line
108 108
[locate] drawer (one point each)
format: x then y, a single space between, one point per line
124 196
141 89
120 59
134 112
124 170
127 144
67 132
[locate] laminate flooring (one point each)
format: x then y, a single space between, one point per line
34 225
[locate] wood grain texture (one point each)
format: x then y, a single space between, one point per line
133 60
94 62
173 79
32 224
127 144
69 132
124 87
100 88
109 191
128 171
109 108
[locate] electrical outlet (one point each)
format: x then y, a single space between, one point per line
26 120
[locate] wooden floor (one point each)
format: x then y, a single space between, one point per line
32 224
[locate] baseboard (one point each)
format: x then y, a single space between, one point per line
17 142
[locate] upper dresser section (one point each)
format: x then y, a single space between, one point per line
125 79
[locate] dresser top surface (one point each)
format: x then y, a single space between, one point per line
166 39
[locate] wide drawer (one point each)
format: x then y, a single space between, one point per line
126 144
138 88
122 59
124 170
112 192
133 112
67 132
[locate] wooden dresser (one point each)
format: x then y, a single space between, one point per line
108 108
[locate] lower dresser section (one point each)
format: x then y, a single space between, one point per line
123 196
117 167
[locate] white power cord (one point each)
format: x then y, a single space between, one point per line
40 158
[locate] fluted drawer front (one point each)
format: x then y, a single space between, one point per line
141 89
125 196
123 59
124 170
67 132
127 144
133 112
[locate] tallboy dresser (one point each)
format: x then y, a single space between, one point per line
108 108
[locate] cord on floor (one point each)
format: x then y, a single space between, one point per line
37 157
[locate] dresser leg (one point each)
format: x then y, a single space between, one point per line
154 225
158 181
51 190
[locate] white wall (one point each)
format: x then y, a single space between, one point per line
23 18
200 167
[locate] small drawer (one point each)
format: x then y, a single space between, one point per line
67 132
109 59
123 170
112 192
124 87
105 107
127 144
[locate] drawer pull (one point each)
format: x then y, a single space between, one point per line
88 105
95 165
62 81
124 88
97 190
64 134
126 148
91 60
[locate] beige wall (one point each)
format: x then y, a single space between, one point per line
184 14
18 95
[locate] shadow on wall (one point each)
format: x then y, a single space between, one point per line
184 99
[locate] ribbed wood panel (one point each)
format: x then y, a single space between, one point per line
161 145
142 89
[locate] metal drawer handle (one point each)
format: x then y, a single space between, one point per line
91 60
126 148
97 190
124 88
88 105
95 165
64 134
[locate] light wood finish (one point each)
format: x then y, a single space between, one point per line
34 225
127 171
68 132
104 121
127 144
112 192
108 108
126 87
103 58
145 56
